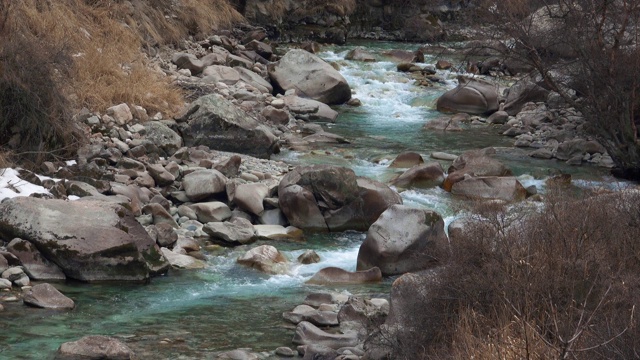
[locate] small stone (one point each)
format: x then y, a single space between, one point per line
285 351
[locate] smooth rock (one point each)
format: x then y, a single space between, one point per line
48 297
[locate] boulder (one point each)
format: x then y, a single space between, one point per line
331 198
254 80
309 257
218 73
407 160
265 258
238 354
231 232
250 197
275 116
505 188
334 275
316 317
181 261
95 347
307 334
162 136
88 240
48 297
421 176
120 113
219 124
202 184
214 211
320 352
35 265
521 93
546 28
402 240
314 110
189 62
471 96
475 163
277 232
360 54
310 76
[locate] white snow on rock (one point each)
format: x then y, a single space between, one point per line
11 185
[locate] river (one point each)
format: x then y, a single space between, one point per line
193 314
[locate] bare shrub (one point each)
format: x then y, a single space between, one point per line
559 281
586 51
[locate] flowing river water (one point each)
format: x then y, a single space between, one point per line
193 314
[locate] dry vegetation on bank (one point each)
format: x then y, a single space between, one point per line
558 283
59 56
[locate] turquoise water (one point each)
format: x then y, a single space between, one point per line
225 306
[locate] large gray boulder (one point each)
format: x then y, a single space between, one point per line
424 176
48 297
217 123
35 265
310 76
202 184
404 239
332 198
162 136
95 347
89 240
471 96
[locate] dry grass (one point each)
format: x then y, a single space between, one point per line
59 56
559 282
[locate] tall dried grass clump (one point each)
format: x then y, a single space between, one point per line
59 56
559 282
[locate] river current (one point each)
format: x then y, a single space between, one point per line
194 314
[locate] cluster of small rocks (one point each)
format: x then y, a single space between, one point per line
555 133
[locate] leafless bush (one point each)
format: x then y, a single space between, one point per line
557 282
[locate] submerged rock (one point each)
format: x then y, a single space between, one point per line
48 297
95 347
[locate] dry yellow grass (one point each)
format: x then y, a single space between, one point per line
59 56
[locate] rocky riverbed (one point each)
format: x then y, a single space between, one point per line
153 196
